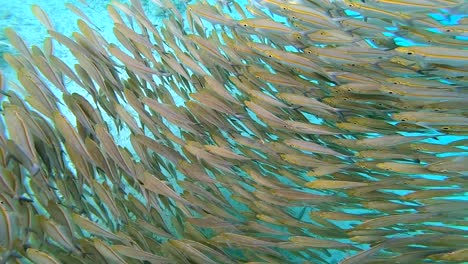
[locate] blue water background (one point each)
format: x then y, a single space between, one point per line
17 15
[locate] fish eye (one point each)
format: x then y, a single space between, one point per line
390 92
445 128
403 120
410 53
448 30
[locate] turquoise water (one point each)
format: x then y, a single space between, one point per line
256 190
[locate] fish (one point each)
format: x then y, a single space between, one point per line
241 240
191 252
17 42
131 62
390 220
363 255
79 13
107 252
22 139
430 118
295 60
210 14
222 132
308 17
455 164
277 79
40 257
323 170
95 229
265 115
153 184
307 103
456 255
55 231
408 168
303 241
42 17
329 184
215 103
173 114
307 128
111 149
311 147
225 153
375 11
435 55
264 26
139 254
9 230
420 5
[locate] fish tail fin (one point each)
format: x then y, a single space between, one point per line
341 113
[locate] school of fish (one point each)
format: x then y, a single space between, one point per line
275 131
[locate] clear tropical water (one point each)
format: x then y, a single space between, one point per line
285 217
